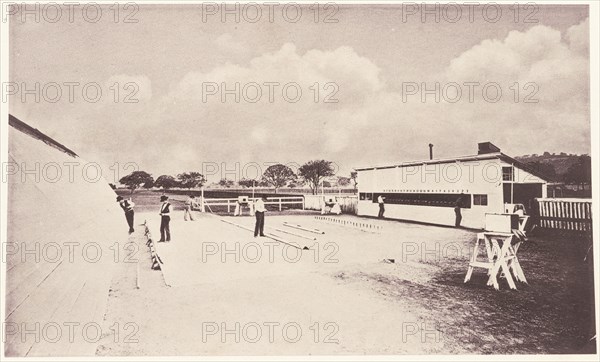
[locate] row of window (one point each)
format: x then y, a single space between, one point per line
428 199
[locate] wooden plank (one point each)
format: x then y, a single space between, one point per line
316 231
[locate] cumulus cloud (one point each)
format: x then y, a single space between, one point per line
372 122
538 54
193 122
542 62
579 37
354 75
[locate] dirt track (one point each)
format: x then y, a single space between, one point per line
360 304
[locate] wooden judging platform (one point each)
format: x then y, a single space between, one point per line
500 254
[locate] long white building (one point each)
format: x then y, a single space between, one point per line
427 191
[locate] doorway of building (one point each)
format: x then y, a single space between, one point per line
523 194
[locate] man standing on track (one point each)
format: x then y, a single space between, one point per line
381 206
259 212
165 219
191 200
127 206
457 206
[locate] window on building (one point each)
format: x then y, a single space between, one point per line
507 173
480 200
365 196
425 199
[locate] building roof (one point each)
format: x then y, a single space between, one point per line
37 134
486 156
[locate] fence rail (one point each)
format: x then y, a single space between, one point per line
566 214
279 201
348 203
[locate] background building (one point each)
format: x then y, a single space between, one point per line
427 191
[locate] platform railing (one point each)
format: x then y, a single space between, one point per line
565 214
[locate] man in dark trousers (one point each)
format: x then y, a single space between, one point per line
380 201
127 206
457 205
259 212
165 219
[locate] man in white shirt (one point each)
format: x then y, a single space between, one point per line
259 213
191 200
381 207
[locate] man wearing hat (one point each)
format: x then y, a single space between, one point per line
127 206
165 219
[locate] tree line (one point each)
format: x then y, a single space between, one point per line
313 173
578 173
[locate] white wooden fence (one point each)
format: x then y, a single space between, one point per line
566 214
231 203
348 203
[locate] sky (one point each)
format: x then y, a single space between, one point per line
360 91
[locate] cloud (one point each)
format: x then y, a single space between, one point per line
370 123
355 76
539 61
579 37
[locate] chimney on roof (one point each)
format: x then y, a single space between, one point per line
431 151
487 147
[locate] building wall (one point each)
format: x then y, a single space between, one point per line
477 177
62 237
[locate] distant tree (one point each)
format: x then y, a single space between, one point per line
136 179
326 183
247 182
546 169
166 182
225 182
190 180
343 181
580 173
291 185
314 171
278 176
354 178
547 153
148 184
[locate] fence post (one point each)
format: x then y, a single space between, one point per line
202 199
280 204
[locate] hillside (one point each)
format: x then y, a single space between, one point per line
559 162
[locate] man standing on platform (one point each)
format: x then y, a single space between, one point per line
259 212
165 219
127 206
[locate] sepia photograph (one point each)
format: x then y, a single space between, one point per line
308 180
